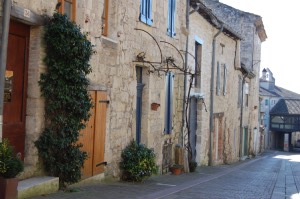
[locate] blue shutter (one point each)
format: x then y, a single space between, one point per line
146 12
171 18
149 13
169 102
143 17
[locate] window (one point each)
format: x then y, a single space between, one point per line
246 100
240 92
218 79
198 53
146 12
169 102
68 7
266 102
221 75
273 102
105 18
171 18
225 80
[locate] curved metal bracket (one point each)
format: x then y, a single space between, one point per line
154 40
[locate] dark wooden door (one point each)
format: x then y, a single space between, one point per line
16 86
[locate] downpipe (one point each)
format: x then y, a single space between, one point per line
3 56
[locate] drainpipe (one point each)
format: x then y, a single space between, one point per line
3 56
211 127
241 116
185 66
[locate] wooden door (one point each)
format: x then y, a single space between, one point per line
93 136
15 93
87 139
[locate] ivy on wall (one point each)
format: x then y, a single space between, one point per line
67 102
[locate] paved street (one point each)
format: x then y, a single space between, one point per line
274 175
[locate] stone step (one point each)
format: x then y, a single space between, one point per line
37 186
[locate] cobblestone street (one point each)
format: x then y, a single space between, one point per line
272 175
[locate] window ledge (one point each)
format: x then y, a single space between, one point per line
109 42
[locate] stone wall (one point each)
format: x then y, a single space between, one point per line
114 71
224 104
253 35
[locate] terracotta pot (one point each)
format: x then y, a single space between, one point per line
8 188
176 171
154 106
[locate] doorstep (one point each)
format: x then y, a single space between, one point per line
37 186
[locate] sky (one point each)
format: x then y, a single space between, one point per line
281 50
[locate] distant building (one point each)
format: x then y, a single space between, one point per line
272 99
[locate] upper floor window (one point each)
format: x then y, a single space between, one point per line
221 78
146 12
273 102
105 18
266 102
68 7
198 57
171 18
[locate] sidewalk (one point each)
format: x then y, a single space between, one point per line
154 187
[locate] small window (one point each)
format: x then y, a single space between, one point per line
146 12
266 102
105 18
218 79
169 102
225 80
246 100
240 92
68 7
171 18
198 57
273 102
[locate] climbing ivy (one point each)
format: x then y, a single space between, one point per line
67 102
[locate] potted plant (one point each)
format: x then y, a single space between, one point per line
193 165
176 169
10 167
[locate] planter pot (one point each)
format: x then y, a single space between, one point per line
8 188
154 106
176 171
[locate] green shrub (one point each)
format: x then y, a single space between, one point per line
138 162
10 165
67 101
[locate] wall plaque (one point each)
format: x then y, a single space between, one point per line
8 85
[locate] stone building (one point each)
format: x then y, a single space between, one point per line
270 95
137 79
136 101
250 27
217 50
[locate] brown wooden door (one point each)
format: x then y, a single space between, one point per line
93 136
16 86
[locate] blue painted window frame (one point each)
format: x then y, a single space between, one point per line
171 18
146 12
169 102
